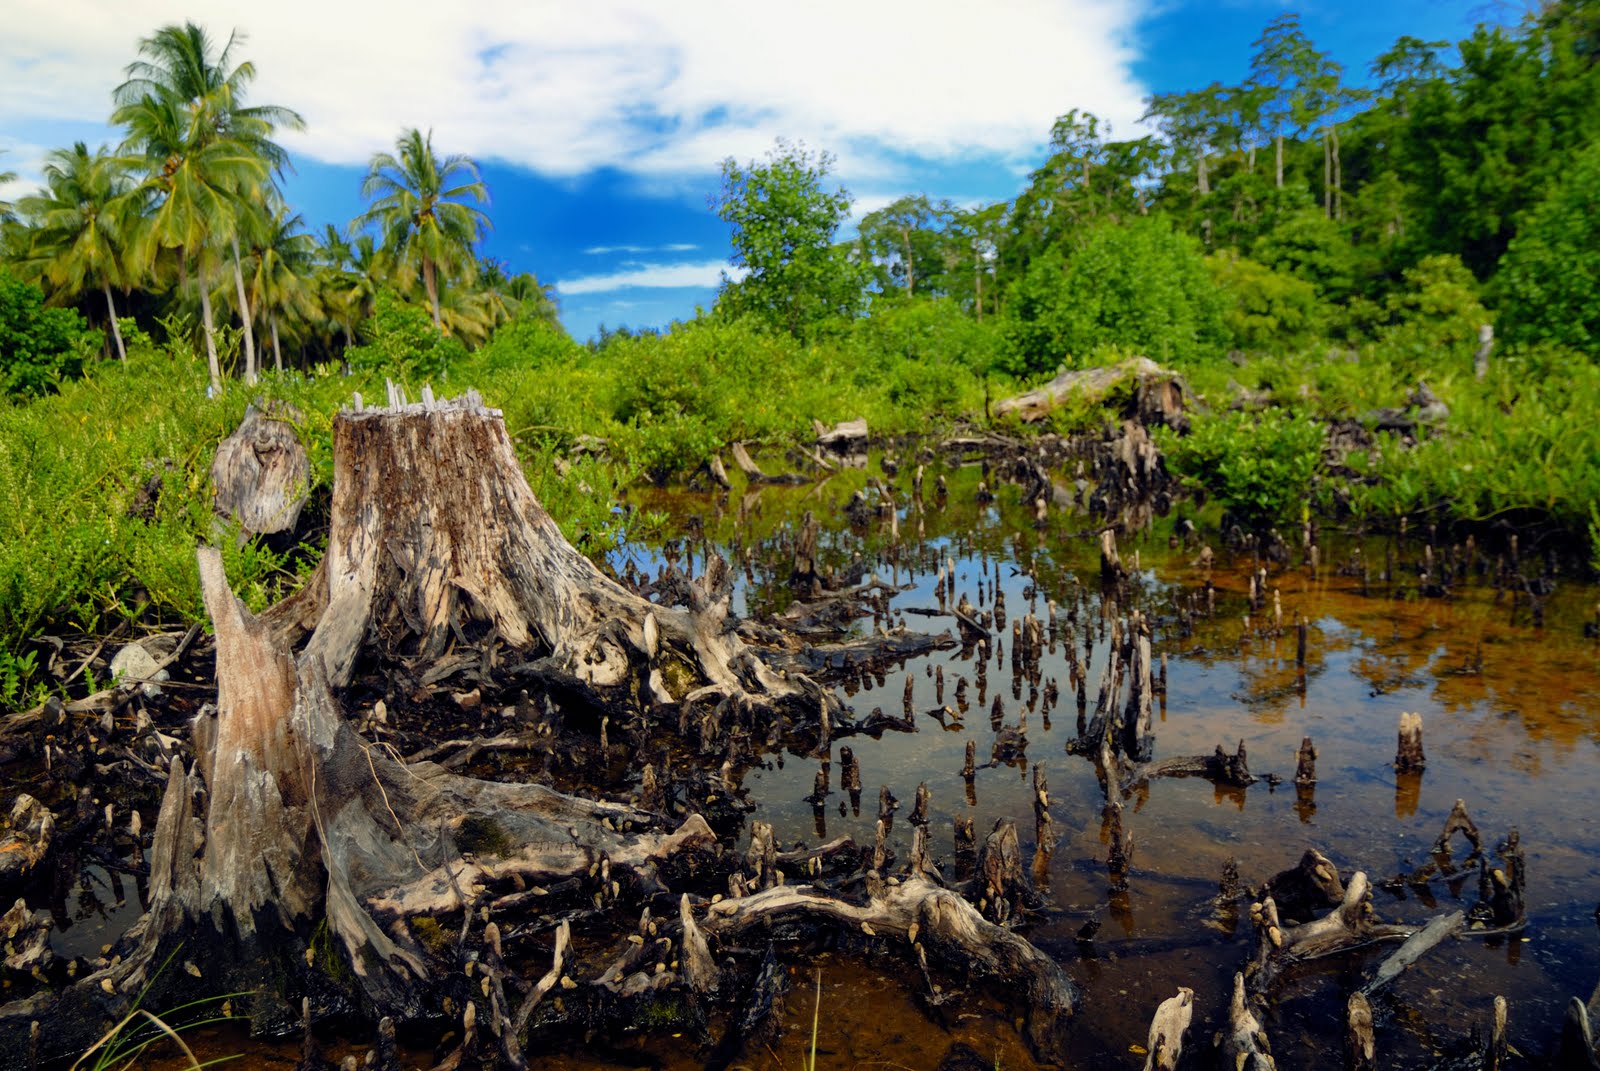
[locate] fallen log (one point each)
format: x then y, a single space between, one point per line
940 930
1159 394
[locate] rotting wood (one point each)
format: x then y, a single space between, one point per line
1244 1045
940 930
1167 1029
1360 1046
752 471
261 474
1160 393
1408 756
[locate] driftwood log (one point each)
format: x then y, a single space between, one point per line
1159 394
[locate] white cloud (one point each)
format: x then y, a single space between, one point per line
653 276
672 247
657 91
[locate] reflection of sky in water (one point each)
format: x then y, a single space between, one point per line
1518 742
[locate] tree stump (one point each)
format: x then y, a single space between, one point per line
261 474
292 858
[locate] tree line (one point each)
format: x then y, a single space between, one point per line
1316 201
186 220
1299 206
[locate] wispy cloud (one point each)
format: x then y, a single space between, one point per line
673 247
652 91
652 276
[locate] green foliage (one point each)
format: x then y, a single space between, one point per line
1522 443
1259 466
784 222
1549 281
529 342
401 342
1265 309
1435 316
1309 245
1139 285
39 347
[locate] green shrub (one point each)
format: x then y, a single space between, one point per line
1548 283
39 347
1264 309
400 342
1434 318
1139 285
528 343
1259 466
1313 247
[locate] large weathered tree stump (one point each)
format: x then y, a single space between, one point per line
293 857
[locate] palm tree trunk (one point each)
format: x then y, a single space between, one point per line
277 353
116 329
244 316
211 332
432 284
1278 142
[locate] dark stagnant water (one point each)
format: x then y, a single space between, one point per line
1518 739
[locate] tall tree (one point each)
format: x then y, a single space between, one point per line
1284 63
80 227
283 265
784 220
207 153
905 238
421 209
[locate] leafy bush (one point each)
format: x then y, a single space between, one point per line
1313 247
399 341
1435 316
528 343
1139 284
1549 279
39 347
1264 309
1259 466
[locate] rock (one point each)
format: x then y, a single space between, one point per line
135 662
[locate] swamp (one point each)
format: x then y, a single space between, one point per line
1147 618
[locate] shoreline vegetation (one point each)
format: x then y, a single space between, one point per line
1373 290
1371 336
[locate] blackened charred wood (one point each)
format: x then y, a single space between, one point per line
1408 756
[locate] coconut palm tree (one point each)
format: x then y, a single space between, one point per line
80 226
281 281
6 209
207 155
420 209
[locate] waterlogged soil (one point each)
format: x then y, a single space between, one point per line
1510 701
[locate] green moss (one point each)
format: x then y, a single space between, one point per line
431 934
482 836
679 677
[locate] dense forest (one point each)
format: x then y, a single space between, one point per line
1310 248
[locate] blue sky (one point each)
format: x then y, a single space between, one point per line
600 125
